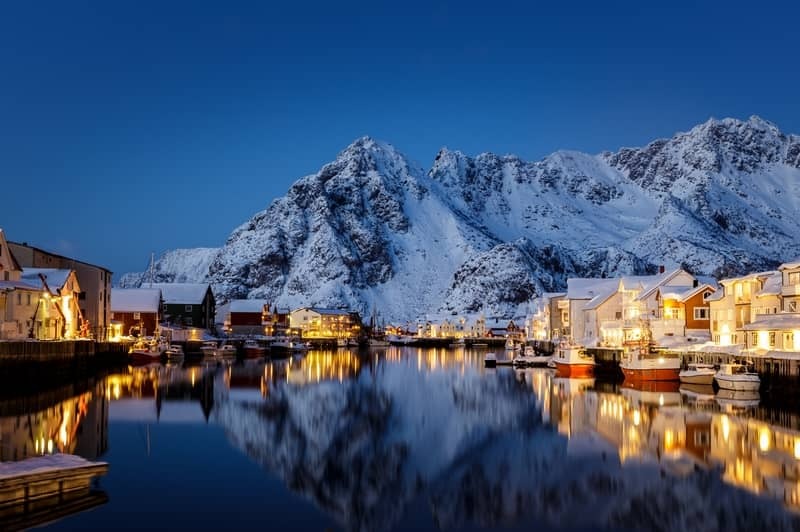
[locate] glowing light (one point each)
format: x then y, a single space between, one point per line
637 417
726 427
764 438
669 439
797 448
763 339
661 400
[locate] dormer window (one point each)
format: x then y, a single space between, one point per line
706 294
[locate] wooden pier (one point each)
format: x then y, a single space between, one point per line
47 488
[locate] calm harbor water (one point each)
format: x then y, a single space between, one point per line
412 438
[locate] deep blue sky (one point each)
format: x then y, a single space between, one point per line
131 127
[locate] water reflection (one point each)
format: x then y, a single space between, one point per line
366 435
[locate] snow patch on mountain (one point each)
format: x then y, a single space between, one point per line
176 266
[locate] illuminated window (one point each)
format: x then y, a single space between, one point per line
701 313
772 339
753 338
137 315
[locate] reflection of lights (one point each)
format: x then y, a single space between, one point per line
726 427
669 439
661 400
637 417
797 448
764 438
50 446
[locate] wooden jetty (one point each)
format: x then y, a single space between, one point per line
47 488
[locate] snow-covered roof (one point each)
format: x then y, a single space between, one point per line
553 295
586 288
684 293
775 322
56 278
600 298
772 286
707 279
653 282
325 311
748 277
247 305
790 265
181 293
135 299
18 285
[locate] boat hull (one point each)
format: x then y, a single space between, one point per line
651 374
706 379
738 385
574 370
143 357
254 352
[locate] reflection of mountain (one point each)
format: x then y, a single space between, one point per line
476 448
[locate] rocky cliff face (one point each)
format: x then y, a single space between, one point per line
371 229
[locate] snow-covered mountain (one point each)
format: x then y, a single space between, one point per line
176 266
372 229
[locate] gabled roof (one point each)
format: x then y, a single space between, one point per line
181 293
748 277
247 305
772 286
775 322
790 265
18 285
656 281
56 255
55 278
135 300
684 293
599 299
14 263
586 288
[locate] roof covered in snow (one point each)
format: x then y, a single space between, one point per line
56 278
247 305
748 277
18 285
684 293
135 299
584 288
181 293
790 265
325 311
772 286
776 322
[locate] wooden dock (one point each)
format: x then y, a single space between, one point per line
47 488
61 351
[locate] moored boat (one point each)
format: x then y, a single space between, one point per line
529 358
697 373
490 360
227 351
144 352
736 377
572 361
253 349
174 352
209 349
638 364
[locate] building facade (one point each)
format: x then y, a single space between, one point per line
189 304
95 282
323 323
136 310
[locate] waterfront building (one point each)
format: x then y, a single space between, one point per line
94 300
313 322
58 314
549 319
136 311
790 286
736 304
190 304
244 316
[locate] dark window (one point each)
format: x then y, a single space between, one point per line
188 308
82 296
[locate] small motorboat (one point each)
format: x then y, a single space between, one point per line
209 349
736 377
174 352
253 349
144 352
490 360
227 351
530 358
571 360
697 373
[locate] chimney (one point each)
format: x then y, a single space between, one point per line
661 269
695 283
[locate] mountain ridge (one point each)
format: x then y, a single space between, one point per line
372 229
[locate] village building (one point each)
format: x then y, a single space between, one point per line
775 321
95 282
187 304
790 286
736 304
550 317
312 322
58 314
244 316
683 312
19 301
136 311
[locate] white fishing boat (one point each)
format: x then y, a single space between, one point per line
736 377
146 352
174 352
529 358
227 351
571 360
209 349
697 373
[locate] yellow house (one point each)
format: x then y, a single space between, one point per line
323 323
736 304
790 286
